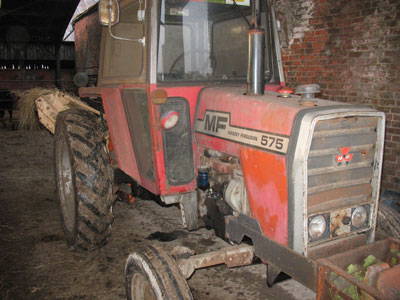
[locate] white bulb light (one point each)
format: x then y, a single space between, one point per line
359 217
169 119
317 227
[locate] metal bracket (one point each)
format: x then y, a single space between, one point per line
272 274
290 262
189 211
233 256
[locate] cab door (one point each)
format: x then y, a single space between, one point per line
125 90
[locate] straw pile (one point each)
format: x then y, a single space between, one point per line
28 119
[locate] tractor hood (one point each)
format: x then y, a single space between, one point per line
259 121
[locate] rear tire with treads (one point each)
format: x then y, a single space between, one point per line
83 178
388 220
151 273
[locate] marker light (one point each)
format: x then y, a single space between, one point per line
285 91
317 227
169 119
359 217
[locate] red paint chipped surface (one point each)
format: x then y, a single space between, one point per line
265 177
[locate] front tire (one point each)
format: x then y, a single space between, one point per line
83 179
151 274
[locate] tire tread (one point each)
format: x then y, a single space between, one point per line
170 281
85 133
388 220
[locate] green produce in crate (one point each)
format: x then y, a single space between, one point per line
351 291
369 261
395 259
393 262
357 271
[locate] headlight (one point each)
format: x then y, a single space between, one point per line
169 119
359 217
317 227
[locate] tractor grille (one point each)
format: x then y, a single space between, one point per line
333 182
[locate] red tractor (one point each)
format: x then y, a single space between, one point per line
194 101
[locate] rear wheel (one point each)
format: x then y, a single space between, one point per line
151 274
83 179
388 220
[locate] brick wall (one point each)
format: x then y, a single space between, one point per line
352 49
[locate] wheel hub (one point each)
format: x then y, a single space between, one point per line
141 288
66 187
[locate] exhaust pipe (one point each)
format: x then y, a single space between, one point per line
255 69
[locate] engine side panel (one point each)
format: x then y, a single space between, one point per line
256 130
265 178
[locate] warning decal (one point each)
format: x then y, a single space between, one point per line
218 124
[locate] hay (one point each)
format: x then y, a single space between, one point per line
28 119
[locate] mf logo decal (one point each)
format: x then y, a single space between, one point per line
218 124
344 155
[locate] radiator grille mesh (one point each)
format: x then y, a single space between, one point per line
333 184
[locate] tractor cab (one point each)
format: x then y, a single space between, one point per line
174 42
155 59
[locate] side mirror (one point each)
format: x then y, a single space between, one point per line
108 12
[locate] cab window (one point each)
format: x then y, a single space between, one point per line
125 58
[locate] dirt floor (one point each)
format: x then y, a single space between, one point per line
36 263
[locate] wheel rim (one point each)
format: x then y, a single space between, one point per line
141 288
65 186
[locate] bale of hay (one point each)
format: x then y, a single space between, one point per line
49 106
28 119
41 106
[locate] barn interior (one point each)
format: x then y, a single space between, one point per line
32 50
36 51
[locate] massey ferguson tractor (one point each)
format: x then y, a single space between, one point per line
196 109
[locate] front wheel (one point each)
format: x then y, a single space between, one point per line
151 274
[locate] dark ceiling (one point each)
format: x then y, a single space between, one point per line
35 21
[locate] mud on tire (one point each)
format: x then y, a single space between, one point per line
388 220
151 273
83 179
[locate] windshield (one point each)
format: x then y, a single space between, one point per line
204 40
